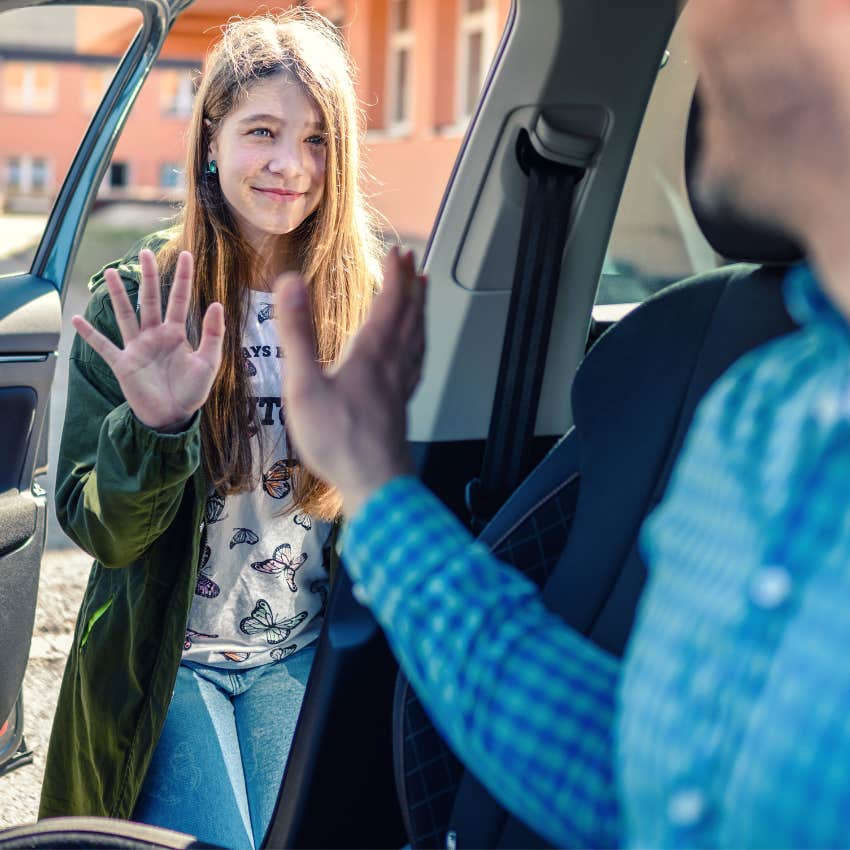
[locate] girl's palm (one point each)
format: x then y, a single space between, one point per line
163 378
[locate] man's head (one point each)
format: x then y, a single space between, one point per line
775 84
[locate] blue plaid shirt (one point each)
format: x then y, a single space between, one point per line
728 721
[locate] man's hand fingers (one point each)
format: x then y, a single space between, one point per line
181 290
295 324
125 315
150 302
212 336
104 347
411 347
388 305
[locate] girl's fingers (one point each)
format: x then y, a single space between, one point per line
181 290
212 336
150 303
104 347
125 315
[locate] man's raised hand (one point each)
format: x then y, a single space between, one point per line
348 424
163 378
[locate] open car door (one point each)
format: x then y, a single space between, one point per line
30 324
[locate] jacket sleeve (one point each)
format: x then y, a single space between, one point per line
526 702
118 482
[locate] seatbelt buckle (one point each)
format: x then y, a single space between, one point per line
479 503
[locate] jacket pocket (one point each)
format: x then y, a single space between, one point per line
93 618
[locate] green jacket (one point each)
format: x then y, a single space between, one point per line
134 499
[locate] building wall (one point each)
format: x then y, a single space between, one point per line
403 163
152 138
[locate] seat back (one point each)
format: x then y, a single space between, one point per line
633 400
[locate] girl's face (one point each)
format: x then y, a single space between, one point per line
270 154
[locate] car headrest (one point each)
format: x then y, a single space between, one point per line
732 237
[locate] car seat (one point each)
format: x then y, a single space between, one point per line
572 526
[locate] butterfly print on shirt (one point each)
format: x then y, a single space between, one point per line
243 535
266 313
276 480
191 635
205 586
303 520
282 561
238 657
214 508
280 653
262 621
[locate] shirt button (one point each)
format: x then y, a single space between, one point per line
770 587
686 808
359 593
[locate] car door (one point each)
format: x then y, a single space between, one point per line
30 323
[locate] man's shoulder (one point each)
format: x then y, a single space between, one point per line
745 401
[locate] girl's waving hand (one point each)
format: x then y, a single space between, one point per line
163 378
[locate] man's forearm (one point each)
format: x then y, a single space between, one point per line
526 702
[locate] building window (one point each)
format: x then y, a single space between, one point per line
119 175
171 176
13 174
95 83
400 71
27 175
176 93
477 43
39 175
30 86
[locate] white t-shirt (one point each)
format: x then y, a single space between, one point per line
262 585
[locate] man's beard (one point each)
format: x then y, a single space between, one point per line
724 202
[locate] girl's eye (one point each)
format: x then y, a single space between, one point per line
263 132
317 139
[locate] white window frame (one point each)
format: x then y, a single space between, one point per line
47 183
484 21
400 41
22 172
26 170
181 106
28 89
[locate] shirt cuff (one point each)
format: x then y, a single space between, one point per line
391 530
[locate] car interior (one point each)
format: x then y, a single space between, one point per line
551 411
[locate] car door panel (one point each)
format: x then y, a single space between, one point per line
30 322
30 325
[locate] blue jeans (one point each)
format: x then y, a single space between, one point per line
217 768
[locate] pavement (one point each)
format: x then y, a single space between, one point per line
18 233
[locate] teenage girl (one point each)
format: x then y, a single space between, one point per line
197 629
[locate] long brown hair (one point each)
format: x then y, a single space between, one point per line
336 246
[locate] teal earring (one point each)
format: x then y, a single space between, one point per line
212 167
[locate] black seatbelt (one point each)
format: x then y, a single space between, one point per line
545 224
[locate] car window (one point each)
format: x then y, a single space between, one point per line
655 239
53 75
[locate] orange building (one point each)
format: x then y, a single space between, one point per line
420 65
